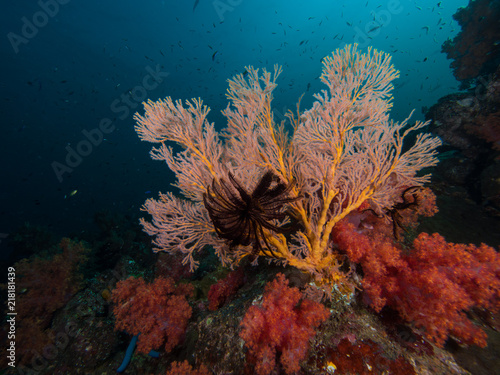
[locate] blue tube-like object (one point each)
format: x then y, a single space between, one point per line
128 354
154 354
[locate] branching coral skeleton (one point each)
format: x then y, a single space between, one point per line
343 152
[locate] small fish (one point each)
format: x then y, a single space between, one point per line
213 56
374 28
71 194
196 2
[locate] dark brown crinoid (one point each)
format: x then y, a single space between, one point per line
394 212
241 218
407 203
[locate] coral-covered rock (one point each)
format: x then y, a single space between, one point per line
225 288
475 49
469 124
490 184
450 116
58 274
170 265
364 358
45 285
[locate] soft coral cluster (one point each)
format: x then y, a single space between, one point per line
224 289
184 368
58 274
158 311
282 325
450 279
433 285
475 49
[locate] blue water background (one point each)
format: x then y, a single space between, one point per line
87 56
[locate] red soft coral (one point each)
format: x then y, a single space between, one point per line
446 280
225 288
59 274
45 285
158 311
282 325
432 286
474 49
381 261
184 368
